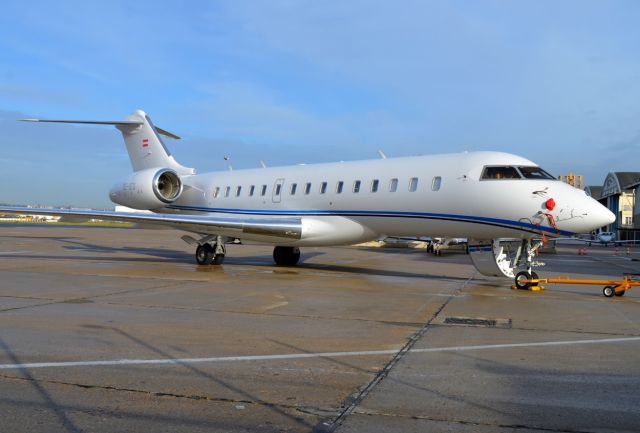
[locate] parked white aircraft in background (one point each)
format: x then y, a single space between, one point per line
606 238
438 245
600 238
501 202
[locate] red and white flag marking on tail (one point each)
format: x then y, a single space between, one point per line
145 142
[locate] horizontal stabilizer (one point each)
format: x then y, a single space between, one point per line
88 122
105 122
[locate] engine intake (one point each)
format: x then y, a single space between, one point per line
167 185
148 189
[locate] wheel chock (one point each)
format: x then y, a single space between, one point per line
537 288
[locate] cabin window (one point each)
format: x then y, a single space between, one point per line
375 183
238 191
356 186
534 173
216 192
323 187
413 184
435 183
307 188
499 173
252 188
393 185
294 186
227 191
263 190
278 189
339 187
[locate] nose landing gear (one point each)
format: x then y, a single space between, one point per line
522 280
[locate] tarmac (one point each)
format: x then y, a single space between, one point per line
107 329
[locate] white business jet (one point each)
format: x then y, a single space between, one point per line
502 203
606 238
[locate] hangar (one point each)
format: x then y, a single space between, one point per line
618 194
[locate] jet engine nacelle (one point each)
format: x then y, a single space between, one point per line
148 189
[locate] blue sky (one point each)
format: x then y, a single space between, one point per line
309 81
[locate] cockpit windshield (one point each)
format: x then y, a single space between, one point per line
495 173
534 173
508 172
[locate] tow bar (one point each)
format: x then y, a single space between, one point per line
611 287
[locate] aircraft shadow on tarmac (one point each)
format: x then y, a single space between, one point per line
73 244
523 409
63 411
553 386
48 401
383 374
243 396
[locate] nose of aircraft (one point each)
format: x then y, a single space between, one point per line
599 215
607 216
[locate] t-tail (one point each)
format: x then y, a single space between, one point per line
144 144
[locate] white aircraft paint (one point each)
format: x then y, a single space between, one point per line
345 203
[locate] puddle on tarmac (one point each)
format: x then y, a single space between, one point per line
77 301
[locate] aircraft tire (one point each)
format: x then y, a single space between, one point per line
524 275
204 254
608 291
218 259
286 256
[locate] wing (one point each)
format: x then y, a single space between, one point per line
248 228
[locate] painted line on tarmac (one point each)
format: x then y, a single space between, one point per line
118 362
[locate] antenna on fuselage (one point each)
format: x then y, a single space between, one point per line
382 155
228 158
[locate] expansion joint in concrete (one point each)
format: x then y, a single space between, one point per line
355 399
463 422
165 394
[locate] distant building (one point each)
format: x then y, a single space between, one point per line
618 194
575 180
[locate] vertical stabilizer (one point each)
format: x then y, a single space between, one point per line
144 145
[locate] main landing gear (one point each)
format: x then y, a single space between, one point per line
286 256
211 253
